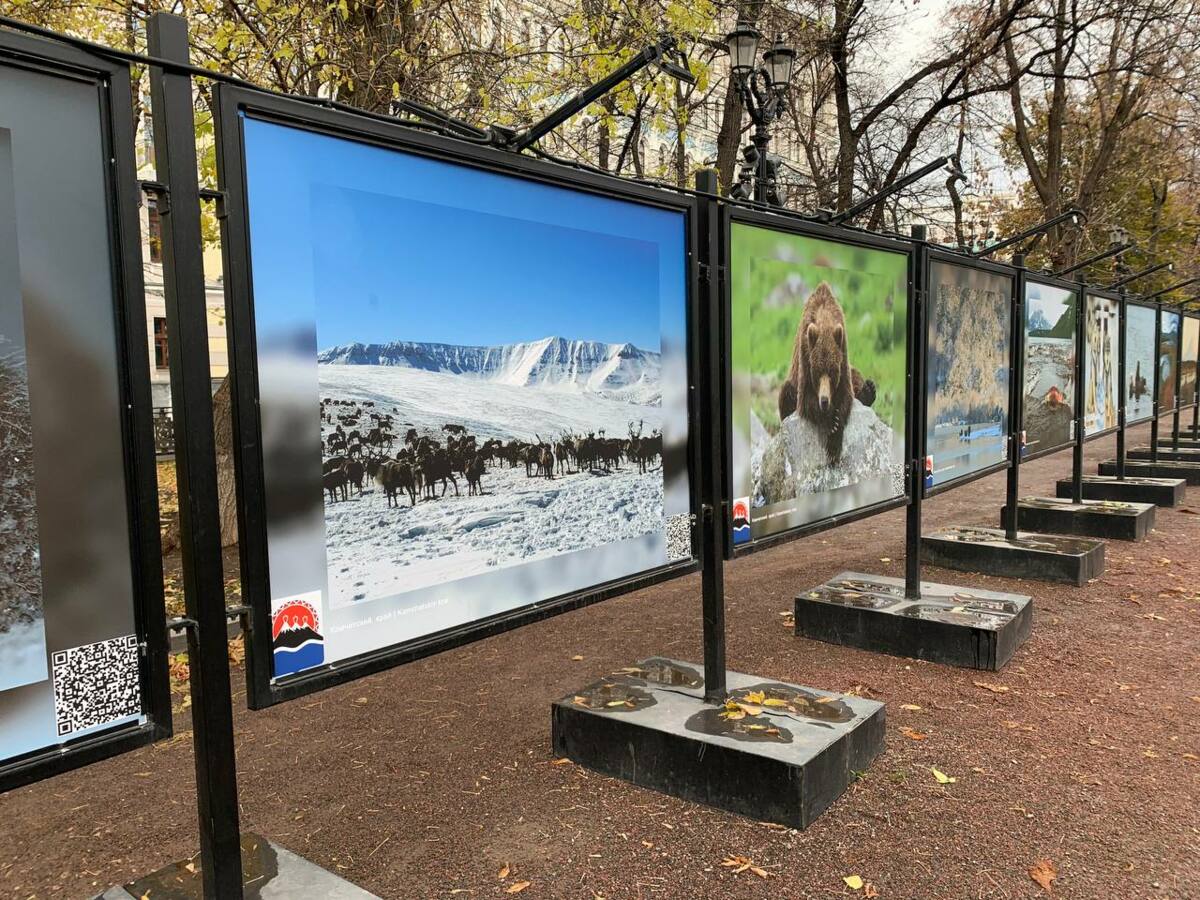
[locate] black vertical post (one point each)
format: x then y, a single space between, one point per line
195 462
714 523
1122 374
916 417
1080 393
761 140
1178 384
1157 381
1016 397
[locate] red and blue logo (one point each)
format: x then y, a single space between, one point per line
296 635
741 520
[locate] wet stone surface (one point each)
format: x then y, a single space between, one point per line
665 672
959 615
615 694
759 729
776 698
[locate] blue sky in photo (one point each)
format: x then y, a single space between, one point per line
406 270
1051 301
375 245
1170 323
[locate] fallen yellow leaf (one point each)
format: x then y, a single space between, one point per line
564 761
869 890
755 697
1043 873
518 887
854 882
910 706
577 658
774 701
915 735
942 777
503 873
994 688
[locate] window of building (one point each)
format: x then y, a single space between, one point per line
154 232
160 342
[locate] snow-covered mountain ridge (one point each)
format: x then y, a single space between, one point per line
619 371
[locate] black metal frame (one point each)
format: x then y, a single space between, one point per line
232 103
112 81
793 225
1074 288
1081 353
946 257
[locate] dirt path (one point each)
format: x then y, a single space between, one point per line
430 778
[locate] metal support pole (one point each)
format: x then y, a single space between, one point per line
1016 395
195 462
916 420
1157 382
1080 394
1122 374
1175 420
715 522
762 140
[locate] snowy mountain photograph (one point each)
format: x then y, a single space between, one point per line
472 422
442 461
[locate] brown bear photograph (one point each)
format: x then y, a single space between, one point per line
819 351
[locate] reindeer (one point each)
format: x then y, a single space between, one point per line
354 471
335 484
474 473
395 477
435 467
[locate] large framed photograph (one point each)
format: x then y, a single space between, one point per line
83 671
1189 348
967 363
1168 360
1048 413
818 350
1101 335
1139 362
470 383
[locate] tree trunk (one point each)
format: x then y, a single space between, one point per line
226 482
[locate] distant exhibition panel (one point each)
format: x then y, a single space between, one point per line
1168 360
1139 362
819 355
1101 349
472 390
967 362
80 575
1189 347
1050 356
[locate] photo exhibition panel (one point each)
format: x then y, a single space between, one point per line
969 344
70 665
819 343
1049 407
473 390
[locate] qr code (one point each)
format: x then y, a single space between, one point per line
679 537
96 684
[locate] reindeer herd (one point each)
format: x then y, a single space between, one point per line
364 444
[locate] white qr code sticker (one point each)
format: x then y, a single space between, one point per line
679 538
96 684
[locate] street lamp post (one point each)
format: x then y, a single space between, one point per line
761 89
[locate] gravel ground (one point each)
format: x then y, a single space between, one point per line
429 780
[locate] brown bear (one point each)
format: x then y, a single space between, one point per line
822 385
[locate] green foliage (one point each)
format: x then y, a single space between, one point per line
772 276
